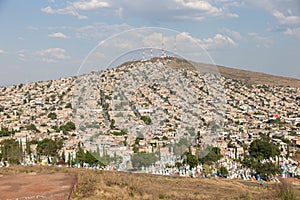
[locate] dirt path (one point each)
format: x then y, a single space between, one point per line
54 186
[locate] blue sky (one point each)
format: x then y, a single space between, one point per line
48 39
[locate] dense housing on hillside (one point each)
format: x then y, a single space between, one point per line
155 113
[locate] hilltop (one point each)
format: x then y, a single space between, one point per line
247 77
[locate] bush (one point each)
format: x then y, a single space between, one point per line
223 171
86 183
286 192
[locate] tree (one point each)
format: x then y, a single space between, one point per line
52 116
191 160
260 149
89 158
49 148
11 151
32 127
146 119
223 171
143 159
206 169
80 155
69 126
213 156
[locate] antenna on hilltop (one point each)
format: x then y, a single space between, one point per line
175 47
163 50
143 54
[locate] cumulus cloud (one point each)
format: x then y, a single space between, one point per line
90 5
57 35
218 41
72 8
286 13
2 51
69 10
293 32
261 41
234 34
286 19
100 31
172 9
52 55
160 10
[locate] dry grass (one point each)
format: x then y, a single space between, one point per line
254 78
117 185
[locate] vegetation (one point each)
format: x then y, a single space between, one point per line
52 116
5 132
213 156
69 126
143 159
11 151
262 150
223 171
32 127
146 119
49 148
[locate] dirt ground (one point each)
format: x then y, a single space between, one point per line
54 186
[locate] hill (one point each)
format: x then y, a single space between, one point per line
257 78
247 77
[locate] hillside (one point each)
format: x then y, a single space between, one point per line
247 77
255 78
147 106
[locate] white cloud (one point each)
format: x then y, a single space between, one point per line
286 19
2 51
235 34
160 10
72 8
100 31
217 42
293 32
286 13
90 5
199 5
52 55
261 41
21 55
69 10
57 35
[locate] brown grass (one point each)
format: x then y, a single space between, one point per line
94 185
116 185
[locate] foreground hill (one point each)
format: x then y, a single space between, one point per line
113 185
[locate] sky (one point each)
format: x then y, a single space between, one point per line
49 39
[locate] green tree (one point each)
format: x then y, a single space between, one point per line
52 116
260 149
90 158
80 155
191 160
223 171
32 127
48 148
69 126
213 156
143 159
11 152
146 119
